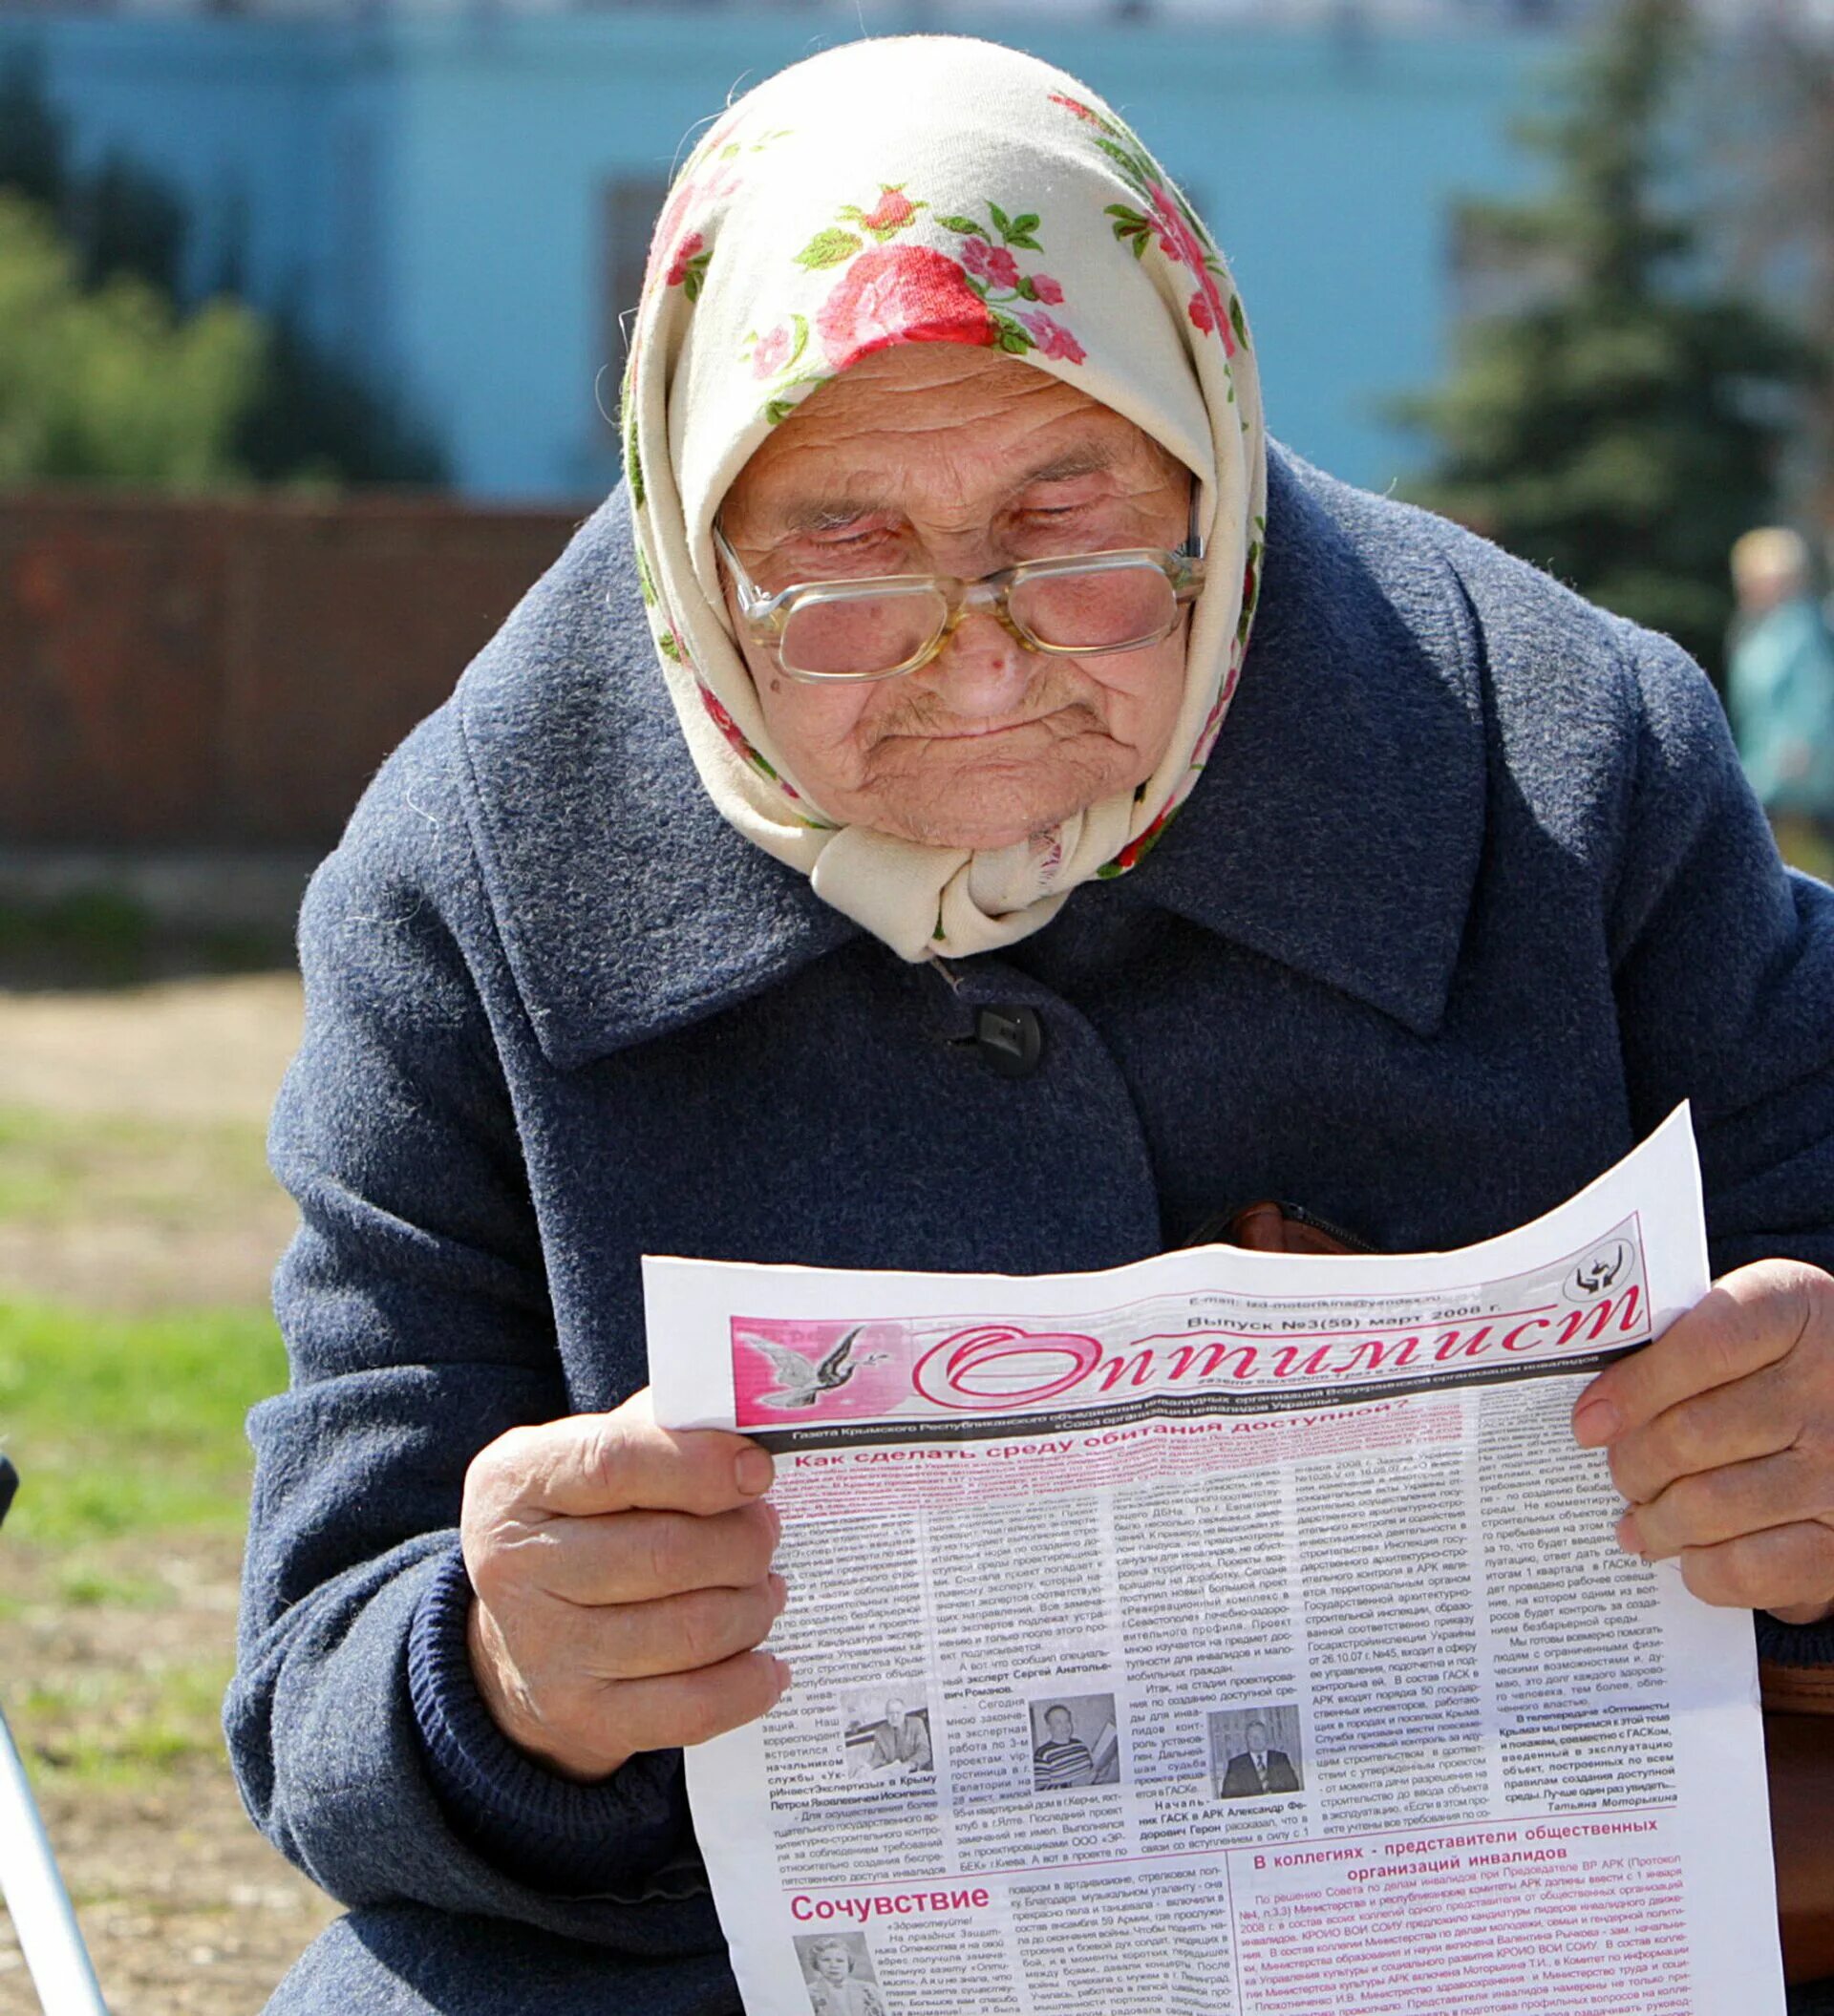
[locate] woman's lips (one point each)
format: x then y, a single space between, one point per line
973 734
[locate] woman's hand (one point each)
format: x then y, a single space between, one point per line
1721 1436
622 1577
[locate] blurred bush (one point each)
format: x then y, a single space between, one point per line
113 384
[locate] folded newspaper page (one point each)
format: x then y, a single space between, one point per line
1229 1634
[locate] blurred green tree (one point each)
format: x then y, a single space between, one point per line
31 134
1777 127
261 400
1614 413
112 383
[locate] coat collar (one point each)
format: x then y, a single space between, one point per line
1339 823
626 904
1337 830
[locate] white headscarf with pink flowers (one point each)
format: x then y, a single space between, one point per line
928 189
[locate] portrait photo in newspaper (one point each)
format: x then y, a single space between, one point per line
1256 1751
886 1734
1075 1741
837 1969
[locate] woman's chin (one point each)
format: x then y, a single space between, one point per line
986 810
975 834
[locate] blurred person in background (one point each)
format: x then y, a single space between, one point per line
1780 692
966 802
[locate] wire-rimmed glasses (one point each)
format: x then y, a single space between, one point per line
879 625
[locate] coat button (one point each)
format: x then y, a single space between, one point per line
1011 1039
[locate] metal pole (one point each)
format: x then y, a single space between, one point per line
42 1917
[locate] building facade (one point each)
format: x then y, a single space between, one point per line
460 202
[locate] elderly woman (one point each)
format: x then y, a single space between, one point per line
1059 816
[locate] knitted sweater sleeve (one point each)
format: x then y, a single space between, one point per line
417 1325
1725 962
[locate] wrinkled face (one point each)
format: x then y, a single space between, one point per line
1060 1725
944 459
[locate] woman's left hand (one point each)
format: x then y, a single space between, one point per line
1721 1436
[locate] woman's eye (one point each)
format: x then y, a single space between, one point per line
1056 517
852 545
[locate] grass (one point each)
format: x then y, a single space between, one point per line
129 1425
128 1434
118 1558
108 1726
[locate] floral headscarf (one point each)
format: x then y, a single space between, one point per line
928 189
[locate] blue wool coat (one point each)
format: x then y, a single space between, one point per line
1470 895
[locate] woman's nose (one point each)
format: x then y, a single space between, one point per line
982 671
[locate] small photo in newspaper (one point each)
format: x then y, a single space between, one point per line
1256 1751
1076 1741
885 1734
837 1970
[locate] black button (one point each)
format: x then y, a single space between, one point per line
1011 1039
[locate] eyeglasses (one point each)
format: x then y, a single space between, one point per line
881 624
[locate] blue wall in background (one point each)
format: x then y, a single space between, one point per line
431 193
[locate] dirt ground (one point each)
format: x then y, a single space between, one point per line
187 1910
148 1194
183 1049
154 1193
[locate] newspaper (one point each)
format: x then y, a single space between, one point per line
1228 1634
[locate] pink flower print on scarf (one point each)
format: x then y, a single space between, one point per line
711 176
901 294
721 718
1137 850
889 216
687 252
772 351
1167 222
994 263
777 349
1052 339
887 294
994 273
689 265
1181 246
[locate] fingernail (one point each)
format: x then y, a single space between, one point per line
753 1469
1595 1423
1627 1537
776 1519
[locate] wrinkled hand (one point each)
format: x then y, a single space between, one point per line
1721 1436
622 1578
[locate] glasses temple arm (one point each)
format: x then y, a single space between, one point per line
752 598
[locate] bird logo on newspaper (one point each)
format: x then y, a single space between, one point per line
802 1383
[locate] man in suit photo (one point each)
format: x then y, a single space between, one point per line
1257 1769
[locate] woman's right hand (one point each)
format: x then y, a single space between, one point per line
622 1578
